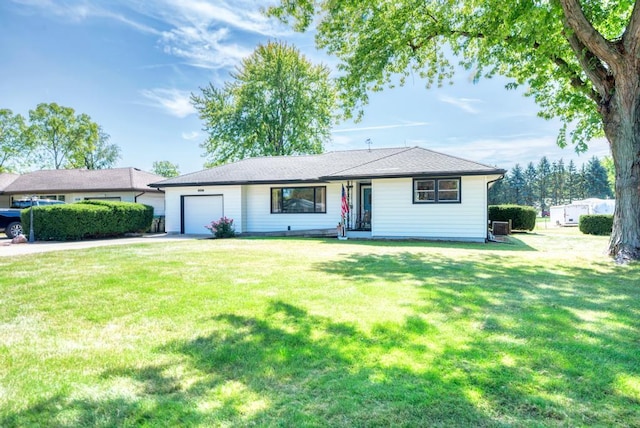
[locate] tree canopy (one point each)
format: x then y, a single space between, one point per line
166 169
61 139
579 60
276 103
14 149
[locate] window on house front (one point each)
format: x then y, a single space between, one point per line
286 200
436 190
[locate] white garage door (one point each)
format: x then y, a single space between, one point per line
200 211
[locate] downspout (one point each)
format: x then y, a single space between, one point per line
489 184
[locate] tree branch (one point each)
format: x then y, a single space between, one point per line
601 77
575 20
631 36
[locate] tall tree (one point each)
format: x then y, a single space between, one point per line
580 60
98 154
14 148
58 135
166 169
543 187
573 181
596 182
277 103
517 185
530 184
558 178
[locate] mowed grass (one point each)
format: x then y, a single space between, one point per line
301 332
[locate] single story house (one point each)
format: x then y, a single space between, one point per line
73 185
390 193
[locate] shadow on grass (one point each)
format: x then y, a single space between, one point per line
482 344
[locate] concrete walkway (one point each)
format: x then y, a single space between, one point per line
9 249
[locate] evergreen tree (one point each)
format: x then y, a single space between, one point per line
517 185
543 183
530 178
596 181
573 180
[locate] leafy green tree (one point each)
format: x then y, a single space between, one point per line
58 136
577 58
14 148
99 154
596 182
277 103
165 169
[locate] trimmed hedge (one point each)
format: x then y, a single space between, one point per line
88 219
596 224
522 217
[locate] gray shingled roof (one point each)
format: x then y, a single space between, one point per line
351 164
6 179
83 180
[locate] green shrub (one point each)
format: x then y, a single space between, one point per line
88 219
596 224
522 217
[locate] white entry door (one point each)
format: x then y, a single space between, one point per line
200 211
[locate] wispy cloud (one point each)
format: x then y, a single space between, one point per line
378 127
465 104
81 10
190 136
173 101
201 33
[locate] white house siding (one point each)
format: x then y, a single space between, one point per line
156 200
232 204
395 214
260 219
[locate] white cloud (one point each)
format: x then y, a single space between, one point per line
190 136
378 127
465 104
172 101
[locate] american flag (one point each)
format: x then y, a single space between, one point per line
345 204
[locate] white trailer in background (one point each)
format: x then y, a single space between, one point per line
569 215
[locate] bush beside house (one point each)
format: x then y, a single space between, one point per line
521 217
88 219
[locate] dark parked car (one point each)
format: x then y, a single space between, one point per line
10 218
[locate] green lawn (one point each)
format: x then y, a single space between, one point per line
303 332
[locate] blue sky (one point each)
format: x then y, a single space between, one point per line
132 64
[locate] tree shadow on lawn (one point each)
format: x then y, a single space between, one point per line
285 368
480 345
545 344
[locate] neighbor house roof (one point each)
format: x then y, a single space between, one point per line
83 180
339 165
6 179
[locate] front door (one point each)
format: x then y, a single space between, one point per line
365 206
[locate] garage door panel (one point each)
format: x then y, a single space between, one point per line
200 211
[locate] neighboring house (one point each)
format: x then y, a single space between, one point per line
392 193
73 185
6 179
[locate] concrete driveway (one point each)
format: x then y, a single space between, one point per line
9 249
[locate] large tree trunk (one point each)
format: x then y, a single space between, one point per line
622 127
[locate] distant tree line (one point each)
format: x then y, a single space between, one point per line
53 137
553 183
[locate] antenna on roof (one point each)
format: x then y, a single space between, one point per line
368 142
